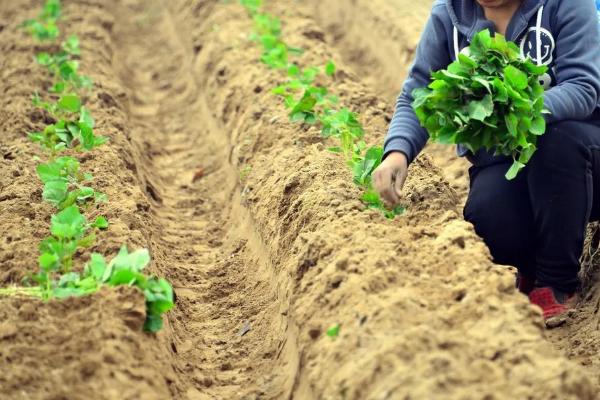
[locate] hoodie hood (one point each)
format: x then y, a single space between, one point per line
468 16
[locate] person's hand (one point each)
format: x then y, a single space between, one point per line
389 177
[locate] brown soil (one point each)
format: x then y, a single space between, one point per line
259 228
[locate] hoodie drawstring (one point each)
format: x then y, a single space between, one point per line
456 49
538 38
538 35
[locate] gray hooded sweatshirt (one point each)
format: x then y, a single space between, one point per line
562 34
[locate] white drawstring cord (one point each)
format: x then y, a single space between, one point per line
456 49
538 35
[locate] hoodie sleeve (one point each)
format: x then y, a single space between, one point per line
577 62
405 133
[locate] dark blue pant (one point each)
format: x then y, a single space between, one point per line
537 221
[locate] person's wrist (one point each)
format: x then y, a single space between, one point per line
398 157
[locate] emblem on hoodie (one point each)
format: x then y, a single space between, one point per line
546 56
529 46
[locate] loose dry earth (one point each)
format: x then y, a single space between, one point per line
271 245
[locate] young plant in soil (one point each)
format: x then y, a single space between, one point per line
64 68
63 184
489 99
44 26
70 231
74 127
126 269
64 188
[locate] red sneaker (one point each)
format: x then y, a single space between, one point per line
556 305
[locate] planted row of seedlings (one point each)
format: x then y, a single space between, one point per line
68 188
312 104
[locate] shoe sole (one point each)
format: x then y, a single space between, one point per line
560 319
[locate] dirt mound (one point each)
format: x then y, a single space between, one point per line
259 228
81 347
418 300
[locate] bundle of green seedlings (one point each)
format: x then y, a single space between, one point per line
66 188
490 98
309 103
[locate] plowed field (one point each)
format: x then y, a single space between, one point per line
259 227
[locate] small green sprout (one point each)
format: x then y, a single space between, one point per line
330 68
244 172
252 6
44 27
333 331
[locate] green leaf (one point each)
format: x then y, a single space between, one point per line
514 169
97 266
516 77
86 118
48 261
139 259
100 223
330 68
512 123
43 58
68 224
124 277
538 126
483 83
153 323
293 70
333 331
85 192
67 279
466 60
70 103
480 110
55 191
71 45
535 69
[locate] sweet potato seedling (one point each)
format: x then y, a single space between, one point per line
64 68
267 31
74 127
489 99
70 231
63 183
44 27
64 187
252 6
124 269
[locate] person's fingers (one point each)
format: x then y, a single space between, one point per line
388 193
376 177
378 181
399 182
